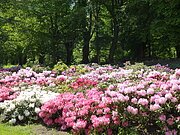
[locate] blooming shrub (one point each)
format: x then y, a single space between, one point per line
124 103
29 77
100 99
25 107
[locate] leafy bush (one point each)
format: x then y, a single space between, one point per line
136 66
59 67
39 68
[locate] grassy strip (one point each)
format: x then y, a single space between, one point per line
6 129
15 130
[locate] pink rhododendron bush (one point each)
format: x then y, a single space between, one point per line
99 99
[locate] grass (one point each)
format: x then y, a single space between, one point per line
33 129
15 130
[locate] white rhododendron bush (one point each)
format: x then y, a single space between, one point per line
94 99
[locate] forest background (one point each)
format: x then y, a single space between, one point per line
86 31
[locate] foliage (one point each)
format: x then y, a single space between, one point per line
136 66
60 67
87 31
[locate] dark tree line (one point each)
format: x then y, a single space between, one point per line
83 31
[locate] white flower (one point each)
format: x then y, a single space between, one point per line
26 113
12 121
37 110
32 99
12 107
20 117
31 105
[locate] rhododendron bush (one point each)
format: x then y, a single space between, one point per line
101 99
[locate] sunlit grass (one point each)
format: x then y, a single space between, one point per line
6 129
33 129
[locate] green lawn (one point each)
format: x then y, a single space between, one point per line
15 130
6 129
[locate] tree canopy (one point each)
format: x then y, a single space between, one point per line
83 31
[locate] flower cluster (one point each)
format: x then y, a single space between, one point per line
7 94
101 99
25 106
125 103
29 77
83 83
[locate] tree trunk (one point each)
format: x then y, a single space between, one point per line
98 54
87 35
140 51
41 59
69 52
177 51
115 29
114 43
55 38
97 38
86 49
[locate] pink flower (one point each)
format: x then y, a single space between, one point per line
134 100
121 97
126 98
63 127
168 96
132 110
111 87
178 107
107 110
154 107
174 132
175 87
110 131
174 99
117 122
83 112
143 101
140 86
162 117
168 133
125 124
128 90
153 98
161 100
150 91
153 86
170 121
49 122
99 111
114 113
80 124
141 93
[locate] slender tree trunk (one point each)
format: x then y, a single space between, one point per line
87 35
69 52
97 39
142 50
97 47
41 59
86 49
55 38
114 42
177 51
115 29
